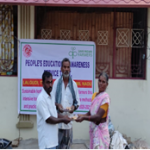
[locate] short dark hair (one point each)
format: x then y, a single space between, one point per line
104 74
64 60
46 74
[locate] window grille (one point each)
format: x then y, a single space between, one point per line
119 35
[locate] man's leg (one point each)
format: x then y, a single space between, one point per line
71 136
67 138
61 134
64 138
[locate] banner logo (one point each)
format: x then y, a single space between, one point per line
72 53
27 50
81 53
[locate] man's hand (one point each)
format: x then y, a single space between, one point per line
66 120
60 108
80 115
66 117
72 109
79 119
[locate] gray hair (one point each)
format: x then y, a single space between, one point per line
104 74
64 60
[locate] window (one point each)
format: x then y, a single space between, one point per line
119 34
130 48
8 42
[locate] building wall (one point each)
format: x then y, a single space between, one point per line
129 98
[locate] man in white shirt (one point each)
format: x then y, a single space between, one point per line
66 96
47 116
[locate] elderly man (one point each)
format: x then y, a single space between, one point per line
67 97
47 117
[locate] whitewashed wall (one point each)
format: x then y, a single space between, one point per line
130 99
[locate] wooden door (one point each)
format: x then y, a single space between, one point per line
122 54
104 42
89 26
